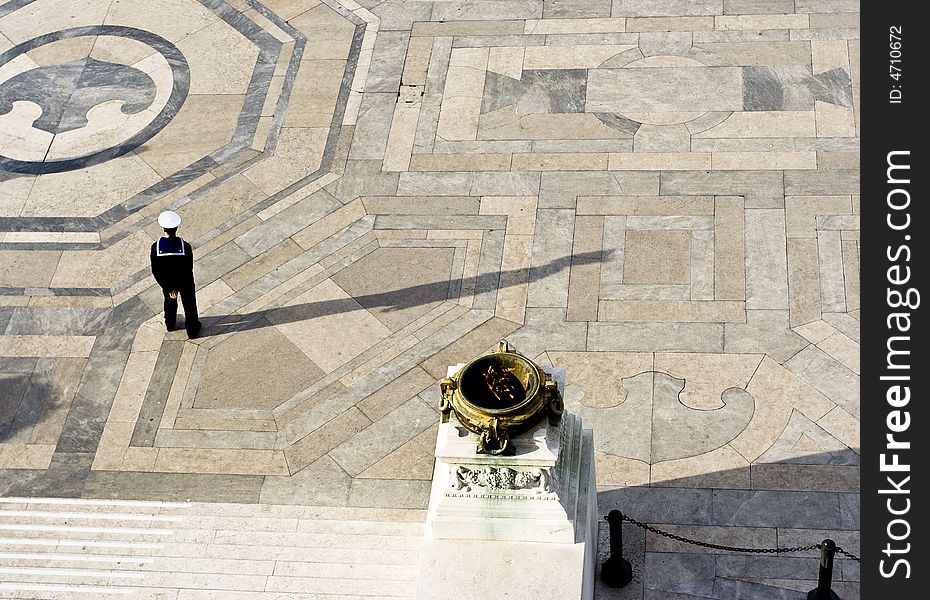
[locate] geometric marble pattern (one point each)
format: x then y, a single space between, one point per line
659 196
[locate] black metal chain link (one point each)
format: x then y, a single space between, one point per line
730 548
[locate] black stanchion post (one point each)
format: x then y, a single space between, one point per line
823 590
616 571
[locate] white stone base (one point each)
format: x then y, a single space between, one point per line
520 527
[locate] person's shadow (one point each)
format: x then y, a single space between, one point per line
393 300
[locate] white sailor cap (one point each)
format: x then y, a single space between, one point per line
169 219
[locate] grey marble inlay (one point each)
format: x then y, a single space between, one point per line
547 91
657 426
67 92
793 87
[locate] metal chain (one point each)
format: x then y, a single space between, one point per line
848 554
730 548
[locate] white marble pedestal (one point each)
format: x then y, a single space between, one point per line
520 527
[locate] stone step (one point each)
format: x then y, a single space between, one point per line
76 548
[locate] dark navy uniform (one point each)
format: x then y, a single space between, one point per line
173 268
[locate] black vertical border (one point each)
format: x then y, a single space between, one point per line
888 126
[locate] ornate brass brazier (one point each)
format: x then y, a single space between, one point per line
500 394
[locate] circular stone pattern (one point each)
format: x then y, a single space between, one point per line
88 110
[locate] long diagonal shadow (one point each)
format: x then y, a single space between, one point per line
393 300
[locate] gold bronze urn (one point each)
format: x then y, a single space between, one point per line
500 394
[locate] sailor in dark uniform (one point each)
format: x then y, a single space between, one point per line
173 268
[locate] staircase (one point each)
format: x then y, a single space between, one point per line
54 548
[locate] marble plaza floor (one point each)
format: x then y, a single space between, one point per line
660 196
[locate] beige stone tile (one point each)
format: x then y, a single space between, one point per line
753 161
369 240
707 376
660 161
330 338
55 237
26 456
400 140
600 375
585 278
418 205
571 57
520 211
103 268
620 471
801 213
32 21
762 22
596 25
815 331
515 262
223 462
851 272
89 191
772 410
317 443
186 18
671 311
212 294
298 153
467 28
729 249
138 459
329 34
213 117
458 118
643 246
379 360
24 268
395 393
460 162
820 478
132 387
645 205
330 224
15 188
568 161
314 93
472 344
764 124
829 54
828 161
843 426
77 346
834 121
691 23
18 139
178 386
69 301
505 124
62 51
454 234
515 259
720 468
226 72
803 281
416 61
400 234
762 54
412 460
507 61
262 264
842 349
